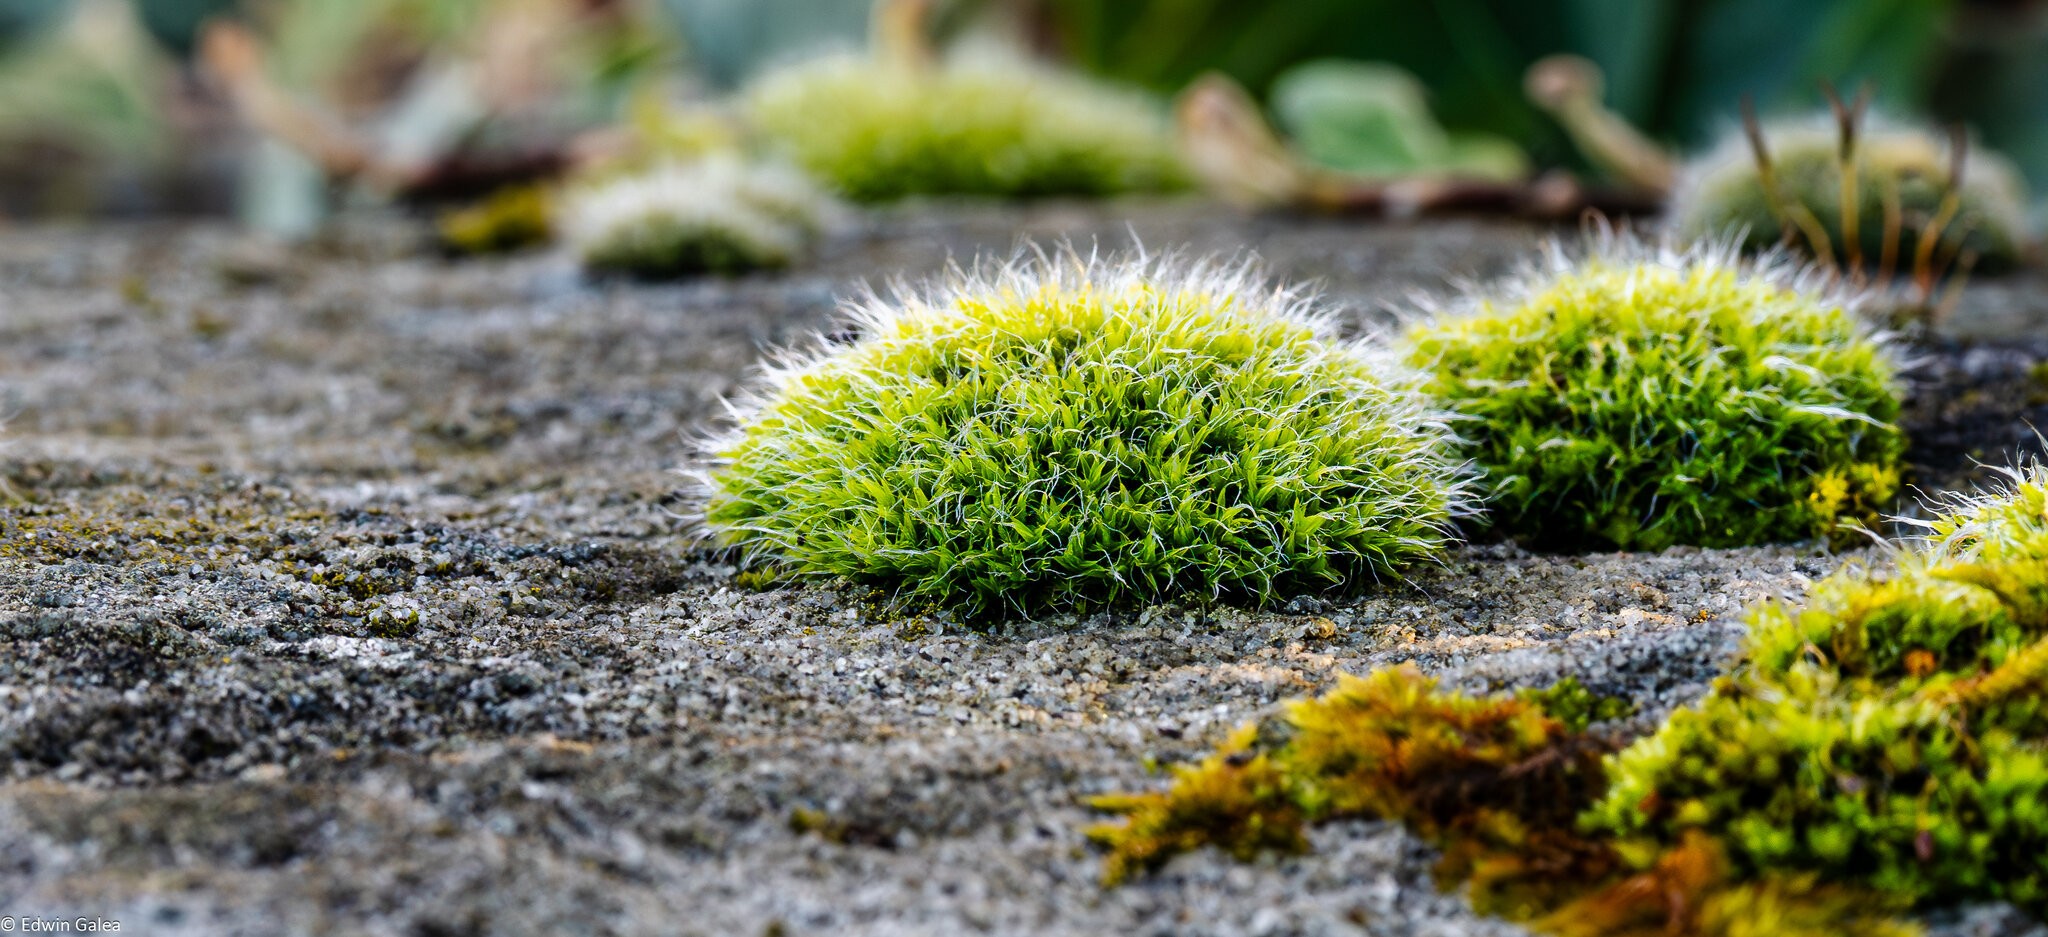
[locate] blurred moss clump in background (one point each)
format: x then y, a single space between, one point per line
877 130
1902 176
655 137
509 219
720 214
907 119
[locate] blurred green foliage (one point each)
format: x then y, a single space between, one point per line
79 94
1997 79
20 19
1372 118
728 39
175 23
1674 67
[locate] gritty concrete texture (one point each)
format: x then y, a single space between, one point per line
342 592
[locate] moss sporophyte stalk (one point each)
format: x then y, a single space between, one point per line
1882 193
1881 748
1641 396
1068 433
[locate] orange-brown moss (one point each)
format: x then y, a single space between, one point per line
1498 784
1883 748
1689 891
1235 799
1497 781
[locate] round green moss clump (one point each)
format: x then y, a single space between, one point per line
1068 434
1906 166
878 131
1642 398
715 215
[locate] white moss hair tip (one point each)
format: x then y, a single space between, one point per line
1184 354
2008 509
1603 246
1606 246
1241 282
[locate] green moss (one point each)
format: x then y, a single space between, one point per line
1903 795
1689 891
1639 399
1494 782
1497 785
1890 731
509 219
1471 774
1569 702
714 215
357 584
1070 434
1905 166
393 623
1236 800
878 131
760 579
2007 521
1883 749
